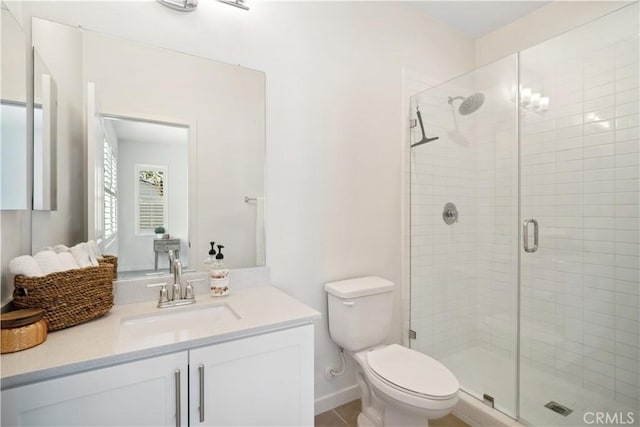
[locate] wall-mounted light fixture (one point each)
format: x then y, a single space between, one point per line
191 5
181 5
237 3
533 101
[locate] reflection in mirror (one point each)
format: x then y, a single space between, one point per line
219 107
45 175
13 116
145 188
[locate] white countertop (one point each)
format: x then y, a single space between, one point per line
101 342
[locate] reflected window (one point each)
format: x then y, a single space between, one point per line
110 191
151 198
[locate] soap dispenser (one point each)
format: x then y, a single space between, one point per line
211 259
219 275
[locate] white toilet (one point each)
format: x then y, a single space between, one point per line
399 386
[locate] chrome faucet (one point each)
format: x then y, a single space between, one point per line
178 296
177 286
172 259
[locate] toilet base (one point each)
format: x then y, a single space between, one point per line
394 420
363 421
402 417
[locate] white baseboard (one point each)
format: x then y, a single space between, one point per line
336 399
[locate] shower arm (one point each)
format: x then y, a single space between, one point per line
453 99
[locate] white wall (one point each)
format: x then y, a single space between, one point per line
334 125
542 24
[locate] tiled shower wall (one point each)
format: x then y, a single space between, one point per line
580 180
443 289
463 276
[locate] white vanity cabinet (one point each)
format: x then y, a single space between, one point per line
263 380
266 380
140 393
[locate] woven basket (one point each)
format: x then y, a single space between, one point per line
68 298
111 259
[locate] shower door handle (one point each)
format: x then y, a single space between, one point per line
525 235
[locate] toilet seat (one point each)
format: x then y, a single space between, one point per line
413 373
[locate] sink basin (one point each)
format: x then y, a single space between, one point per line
171 325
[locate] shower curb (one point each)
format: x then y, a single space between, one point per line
477 414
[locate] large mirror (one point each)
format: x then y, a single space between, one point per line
173 150
45 175
13 115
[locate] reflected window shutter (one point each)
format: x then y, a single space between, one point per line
110 191
152 203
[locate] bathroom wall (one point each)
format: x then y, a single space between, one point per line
335 126
542 24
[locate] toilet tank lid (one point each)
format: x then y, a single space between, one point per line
359 287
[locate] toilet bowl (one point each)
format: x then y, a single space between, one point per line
399 387
402 387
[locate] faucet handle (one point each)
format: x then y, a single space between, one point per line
188 290
156 285
176 291
164 295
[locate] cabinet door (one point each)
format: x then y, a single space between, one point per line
141 393
266 380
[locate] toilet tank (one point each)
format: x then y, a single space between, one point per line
359 311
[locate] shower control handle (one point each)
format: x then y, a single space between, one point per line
450 213
525 235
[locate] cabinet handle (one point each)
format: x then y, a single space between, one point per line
525 235
176 376
201 374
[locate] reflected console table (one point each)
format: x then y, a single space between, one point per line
164 246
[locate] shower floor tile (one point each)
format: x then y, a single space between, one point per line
482 371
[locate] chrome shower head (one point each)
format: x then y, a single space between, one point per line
469 104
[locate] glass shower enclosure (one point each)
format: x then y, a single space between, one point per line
524 266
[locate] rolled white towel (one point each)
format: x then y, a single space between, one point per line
95 248
67 261
92 254
25 265
48 262
60 249
81 254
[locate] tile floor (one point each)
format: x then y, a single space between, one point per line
347 416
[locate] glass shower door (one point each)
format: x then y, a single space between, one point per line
580 289
464 225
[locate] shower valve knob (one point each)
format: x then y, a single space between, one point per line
450 213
